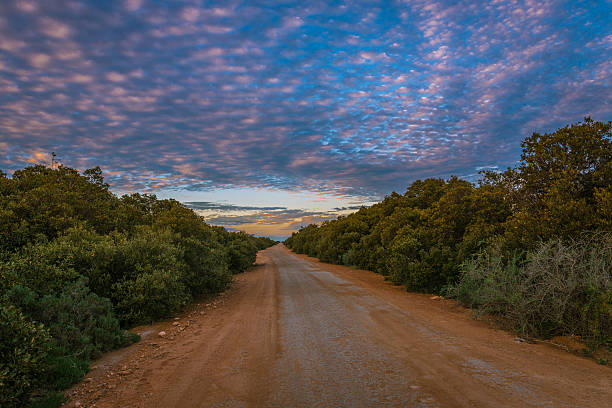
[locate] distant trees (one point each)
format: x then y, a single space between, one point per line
427 238
79 264
418 239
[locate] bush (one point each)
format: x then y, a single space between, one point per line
24 347
149 296
207 268
64 370
561 287
242 254
80 322
34 267
50 400
263 242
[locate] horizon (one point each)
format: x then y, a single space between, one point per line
264 118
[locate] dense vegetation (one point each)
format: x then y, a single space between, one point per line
79 265
532 243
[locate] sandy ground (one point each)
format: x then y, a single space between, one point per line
294 332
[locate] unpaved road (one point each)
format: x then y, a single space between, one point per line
294 332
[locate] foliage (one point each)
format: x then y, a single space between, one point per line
23 346
241 251
418 239
562 185
42 202
80 322
78 263
559 288
207 269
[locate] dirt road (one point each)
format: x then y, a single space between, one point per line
294 332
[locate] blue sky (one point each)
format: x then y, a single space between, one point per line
306 106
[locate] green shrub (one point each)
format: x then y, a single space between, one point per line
116 265
32 267
50 400
64 370
207 268
241 249
242 254
41 201
80 322
263 242
24 347
149 296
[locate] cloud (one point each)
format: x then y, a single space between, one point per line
54 28
115 77
279 222
81 78
206 205
26 6
190 14
39 60
133 5
348 101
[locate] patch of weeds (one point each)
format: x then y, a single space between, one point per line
130 338
52 400
67 370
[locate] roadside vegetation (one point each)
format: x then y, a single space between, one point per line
532 244
79 266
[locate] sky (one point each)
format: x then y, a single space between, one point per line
269 115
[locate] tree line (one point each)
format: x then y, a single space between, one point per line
79 265
532 244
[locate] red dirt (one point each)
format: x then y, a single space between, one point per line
295 332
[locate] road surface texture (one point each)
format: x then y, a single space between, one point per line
294 332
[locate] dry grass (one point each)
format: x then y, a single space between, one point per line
560 288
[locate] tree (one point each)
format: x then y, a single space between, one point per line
560 186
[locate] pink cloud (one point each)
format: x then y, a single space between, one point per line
54 28
133 5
